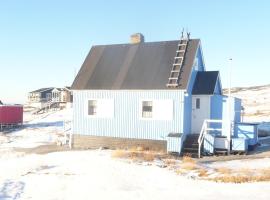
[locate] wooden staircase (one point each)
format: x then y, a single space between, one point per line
47 106
191 145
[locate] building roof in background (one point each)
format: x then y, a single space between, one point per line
133 66
205 82
42 90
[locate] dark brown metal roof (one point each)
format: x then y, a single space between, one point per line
42 90
205 82
133 66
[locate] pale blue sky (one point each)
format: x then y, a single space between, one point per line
43 43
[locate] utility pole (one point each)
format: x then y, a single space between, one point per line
229 107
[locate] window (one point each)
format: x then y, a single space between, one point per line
92 107
198 103
100 108
48 96
158 109
147 109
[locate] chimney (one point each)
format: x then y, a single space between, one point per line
136 38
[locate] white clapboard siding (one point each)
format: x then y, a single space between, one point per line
121 115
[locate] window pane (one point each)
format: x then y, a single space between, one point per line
147 109
197 103
92 107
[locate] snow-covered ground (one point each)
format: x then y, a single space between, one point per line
40 130
256 101
95 174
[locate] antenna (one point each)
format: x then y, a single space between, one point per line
182 33
188 35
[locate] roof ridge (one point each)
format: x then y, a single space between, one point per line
142 43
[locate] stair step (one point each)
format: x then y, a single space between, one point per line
192 140
221 151
187 149
191 145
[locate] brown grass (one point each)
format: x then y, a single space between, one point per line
231 179
119 153
226 175
169 162
223 170
136 155
189 163
180 171
245 172
136 148
139 148
148 156
188 159
203 172
243 176
189 166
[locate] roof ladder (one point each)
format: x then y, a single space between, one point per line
173 81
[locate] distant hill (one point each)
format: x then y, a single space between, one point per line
256 101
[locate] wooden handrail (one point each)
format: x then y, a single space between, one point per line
205 129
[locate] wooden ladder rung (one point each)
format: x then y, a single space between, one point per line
180 50
172 84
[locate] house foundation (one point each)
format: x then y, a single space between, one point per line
96 142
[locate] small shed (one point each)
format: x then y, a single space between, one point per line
11 115
174 143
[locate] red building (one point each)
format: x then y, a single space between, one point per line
11 115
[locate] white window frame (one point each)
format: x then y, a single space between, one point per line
93 115
141 110
154 117
99 114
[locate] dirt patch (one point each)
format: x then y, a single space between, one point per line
43 149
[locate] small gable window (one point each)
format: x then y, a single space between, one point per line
147 109
198 103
